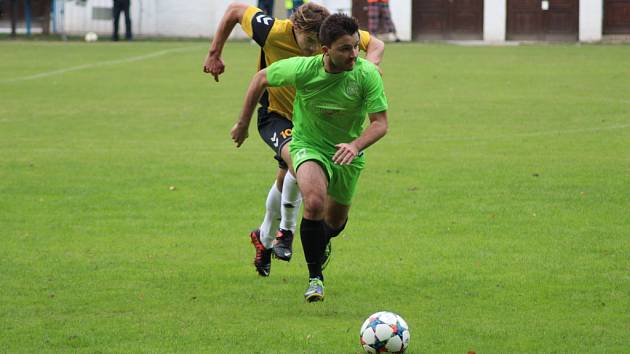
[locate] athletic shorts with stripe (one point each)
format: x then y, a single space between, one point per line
275 130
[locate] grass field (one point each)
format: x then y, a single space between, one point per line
494 216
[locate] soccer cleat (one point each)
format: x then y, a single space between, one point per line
327 254
315 290
262 260
283 245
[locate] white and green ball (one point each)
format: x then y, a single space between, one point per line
384 332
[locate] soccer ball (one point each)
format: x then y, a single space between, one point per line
384 332
91 37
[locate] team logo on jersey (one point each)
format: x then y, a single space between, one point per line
352 89
261 26
262 18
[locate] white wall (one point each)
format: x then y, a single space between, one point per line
495 20
174 18
78 18
591 20
401 16
337 5
189 18
181 18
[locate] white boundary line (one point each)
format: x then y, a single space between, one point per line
99 64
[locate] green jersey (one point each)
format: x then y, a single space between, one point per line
329 109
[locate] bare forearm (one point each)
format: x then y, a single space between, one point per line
347 152
254 92
375 50
229 20
240 130
375 131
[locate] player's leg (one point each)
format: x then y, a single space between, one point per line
116 14
264 5
127 20
272 129
273 213
263 237
313 183
341 191
335 222
290 207
336 217
269 7
373 18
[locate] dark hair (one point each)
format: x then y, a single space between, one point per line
309 17
336 26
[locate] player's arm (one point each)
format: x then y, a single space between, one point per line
255 90
214 64
376 130
374 51
280 73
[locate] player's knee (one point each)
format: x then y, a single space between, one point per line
314 204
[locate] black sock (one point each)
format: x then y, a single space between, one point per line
313 236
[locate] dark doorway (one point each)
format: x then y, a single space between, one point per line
447 19
543 20
616 16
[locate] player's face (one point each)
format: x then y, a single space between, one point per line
344 52
308 42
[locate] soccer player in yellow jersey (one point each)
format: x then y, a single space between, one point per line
278 39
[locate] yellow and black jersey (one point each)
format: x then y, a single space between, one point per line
277 41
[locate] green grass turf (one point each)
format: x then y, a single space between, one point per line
494 216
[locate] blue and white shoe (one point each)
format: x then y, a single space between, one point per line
315 290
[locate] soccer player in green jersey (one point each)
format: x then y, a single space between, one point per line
335 91
278 39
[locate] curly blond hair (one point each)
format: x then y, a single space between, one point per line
309 17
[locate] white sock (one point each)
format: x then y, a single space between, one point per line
272 217
291 201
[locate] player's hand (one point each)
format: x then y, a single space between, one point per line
239 133
345 154
213 65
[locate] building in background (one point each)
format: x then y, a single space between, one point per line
508 20
485 20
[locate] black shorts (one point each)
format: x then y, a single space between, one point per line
275 130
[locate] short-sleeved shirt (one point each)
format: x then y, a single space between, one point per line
329 108
277 41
